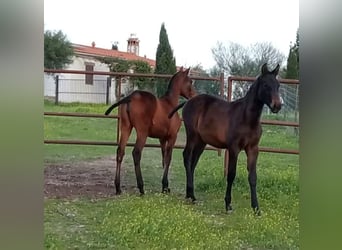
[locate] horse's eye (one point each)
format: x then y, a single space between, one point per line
266 87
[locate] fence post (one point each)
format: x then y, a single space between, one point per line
118 81
107 89
56 89
222 84
230 88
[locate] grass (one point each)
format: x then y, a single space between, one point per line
157 221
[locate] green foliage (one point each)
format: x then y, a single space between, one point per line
141 67
206 86
58 51
116 64
292 72
292 69
165 62
138 66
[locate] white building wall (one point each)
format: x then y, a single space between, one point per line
72 87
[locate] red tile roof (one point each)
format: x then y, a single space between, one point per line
95 51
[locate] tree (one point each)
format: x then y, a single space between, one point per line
165 62
292 72
137 66
141 67
292 68
235 59
58 51
206 86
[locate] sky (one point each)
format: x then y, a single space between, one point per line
193 27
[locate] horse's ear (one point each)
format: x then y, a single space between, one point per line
181 69
187 71
276 70
264 69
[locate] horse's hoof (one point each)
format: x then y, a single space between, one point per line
229 209
257 211
191 199
118 192
166 190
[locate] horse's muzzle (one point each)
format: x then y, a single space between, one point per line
275 108
275 105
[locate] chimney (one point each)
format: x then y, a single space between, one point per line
93 44
115 45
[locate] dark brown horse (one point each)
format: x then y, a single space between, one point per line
149 116
234 126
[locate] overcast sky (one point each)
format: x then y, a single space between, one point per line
193 27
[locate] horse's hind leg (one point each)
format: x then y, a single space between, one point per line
252 156
195 155
192 151
230 178
167 156
125 129
187 154
137 151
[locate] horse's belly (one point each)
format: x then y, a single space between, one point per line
214 141
158 131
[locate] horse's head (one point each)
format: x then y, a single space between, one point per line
268 88
186 87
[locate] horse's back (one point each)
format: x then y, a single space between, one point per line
162 126
141 107
205 117
201 106
148 113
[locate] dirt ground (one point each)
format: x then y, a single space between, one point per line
94 179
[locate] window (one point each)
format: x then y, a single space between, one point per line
89 78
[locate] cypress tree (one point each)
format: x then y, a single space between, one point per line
292 69
165 62
292 72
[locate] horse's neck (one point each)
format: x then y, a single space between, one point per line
253 107
172 95
171 98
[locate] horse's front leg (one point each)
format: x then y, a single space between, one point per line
126 129
252 156
233 154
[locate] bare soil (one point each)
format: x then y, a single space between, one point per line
93 179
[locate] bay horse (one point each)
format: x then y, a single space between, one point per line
149 117
231 125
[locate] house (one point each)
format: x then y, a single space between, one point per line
92 88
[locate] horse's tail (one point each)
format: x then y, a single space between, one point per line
126 99
176 109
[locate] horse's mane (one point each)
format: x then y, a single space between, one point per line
169 87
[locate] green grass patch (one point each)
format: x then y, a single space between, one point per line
158 221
